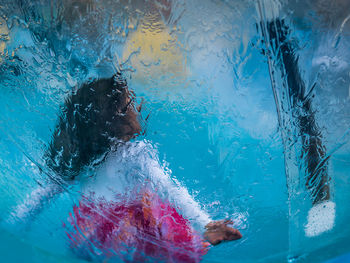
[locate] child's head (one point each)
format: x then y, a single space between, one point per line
99 113
106 113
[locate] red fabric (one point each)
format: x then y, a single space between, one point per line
147 227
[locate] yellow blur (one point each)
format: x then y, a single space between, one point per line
154 53
3 33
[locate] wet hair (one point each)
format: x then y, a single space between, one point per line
93 118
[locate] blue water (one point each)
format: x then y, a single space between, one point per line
207 90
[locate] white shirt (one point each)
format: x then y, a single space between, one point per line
135 166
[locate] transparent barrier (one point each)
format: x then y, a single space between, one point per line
239 110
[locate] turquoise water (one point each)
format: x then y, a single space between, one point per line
203 76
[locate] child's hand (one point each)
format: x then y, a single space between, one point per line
218 231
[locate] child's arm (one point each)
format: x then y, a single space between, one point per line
34 203
190 208
178 195
213 231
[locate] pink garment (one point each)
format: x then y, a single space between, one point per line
147 228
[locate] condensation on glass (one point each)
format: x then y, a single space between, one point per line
188 110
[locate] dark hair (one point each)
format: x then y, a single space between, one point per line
97 114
